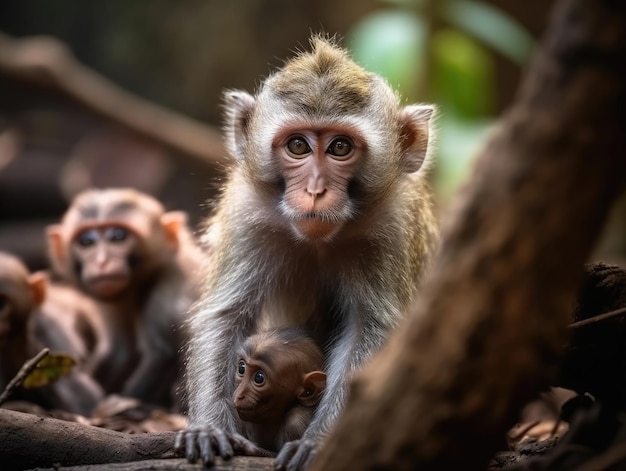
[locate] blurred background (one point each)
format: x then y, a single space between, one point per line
127 93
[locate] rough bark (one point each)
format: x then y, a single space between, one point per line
29 441
238 463
494 310
47 62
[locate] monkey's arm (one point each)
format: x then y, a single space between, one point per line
158 342
154 369
77 392
218 324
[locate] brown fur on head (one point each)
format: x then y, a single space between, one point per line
325 76
293 342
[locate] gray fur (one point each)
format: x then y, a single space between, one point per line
360 280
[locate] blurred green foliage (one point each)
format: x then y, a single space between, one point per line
442 51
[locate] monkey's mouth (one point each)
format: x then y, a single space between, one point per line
248 414
316 225
313 227
106 286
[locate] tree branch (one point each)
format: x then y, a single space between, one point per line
21 375
47 62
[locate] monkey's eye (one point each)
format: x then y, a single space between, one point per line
259 377
340 147
297 147
242 368
87 238
116 234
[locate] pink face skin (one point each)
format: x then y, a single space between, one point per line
103 251
318 164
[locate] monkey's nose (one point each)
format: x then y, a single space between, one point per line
315 192
316 185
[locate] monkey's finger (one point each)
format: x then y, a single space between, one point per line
285 454
303 457
224 449
178 442
190 447
245 447
206 448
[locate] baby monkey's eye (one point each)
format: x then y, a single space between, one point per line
297 147
259 377
242 367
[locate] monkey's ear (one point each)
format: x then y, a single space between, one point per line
173 222
38 282
56 249
313 387
239 106
414 135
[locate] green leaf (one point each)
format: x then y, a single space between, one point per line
391 43
48 370
492 26
463 74
459 140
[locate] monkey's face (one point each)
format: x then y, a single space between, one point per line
103 259
318 167
330 139
260 395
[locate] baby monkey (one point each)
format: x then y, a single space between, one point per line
278 385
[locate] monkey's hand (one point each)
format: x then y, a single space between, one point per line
208 442
297 455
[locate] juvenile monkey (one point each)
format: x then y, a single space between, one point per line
326 206
142 265
35 314
278 385
21 293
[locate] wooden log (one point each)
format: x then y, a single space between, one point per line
29 441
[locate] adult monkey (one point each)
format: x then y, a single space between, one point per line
325 220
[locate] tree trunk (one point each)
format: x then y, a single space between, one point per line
492 319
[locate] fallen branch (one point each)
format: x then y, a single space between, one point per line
29 441
21 375
47 62
599 318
